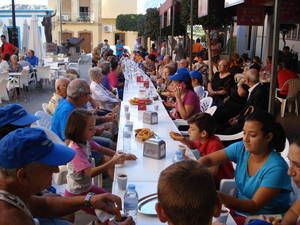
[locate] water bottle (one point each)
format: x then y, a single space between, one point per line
178 156
126 139
131 201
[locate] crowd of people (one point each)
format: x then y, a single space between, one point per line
84 130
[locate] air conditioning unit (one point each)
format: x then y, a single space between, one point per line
65 17
107 28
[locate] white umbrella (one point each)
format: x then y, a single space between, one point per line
25 36
35 38
5 31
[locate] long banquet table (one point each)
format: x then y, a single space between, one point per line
144 172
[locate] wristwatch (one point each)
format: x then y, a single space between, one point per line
87 200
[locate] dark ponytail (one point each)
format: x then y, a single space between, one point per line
269 125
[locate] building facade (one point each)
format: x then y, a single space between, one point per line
94 20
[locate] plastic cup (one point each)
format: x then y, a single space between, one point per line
127 115
126 107
122 181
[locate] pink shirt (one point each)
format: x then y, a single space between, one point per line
113 79
77 181
190 98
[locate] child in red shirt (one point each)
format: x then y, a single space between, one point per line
202 138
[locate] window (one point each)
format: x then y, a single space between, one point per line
84 11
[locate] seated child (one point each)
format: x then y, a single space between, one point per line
79 133
202 138
198 201
197 83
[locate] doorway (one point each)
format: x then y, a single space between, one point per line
120 36
86 45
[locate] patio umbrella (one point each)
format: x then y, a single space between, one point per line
35 38
25 36
4 31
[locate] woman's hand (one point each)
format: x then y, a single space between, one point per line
178 92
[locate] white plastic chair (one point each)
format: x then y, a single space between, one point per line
285 152
4 75
233 137
45 121
293 91
205 103
211 110
3 90
24 78
43 73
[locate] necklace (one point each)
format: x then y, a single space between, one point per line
15 201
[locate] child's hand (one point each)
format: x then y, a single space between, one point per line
176 136
119 158
130 157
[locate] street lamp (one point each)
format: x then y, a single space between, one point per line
14 31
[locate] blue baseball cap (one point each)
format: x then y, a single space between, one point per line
16 115
160 58
182 74
27 145
196 74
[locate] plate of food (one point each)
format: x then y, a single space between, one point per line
147 204
144 134
136 101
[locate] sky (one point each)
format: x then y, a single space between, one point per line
29 2
141 3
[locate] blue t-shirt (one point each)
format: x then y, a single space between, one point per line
105 83
33 61
119 52
273 174
60 117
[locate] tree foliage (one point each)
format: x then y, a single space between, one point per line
146 25
151 23
128 22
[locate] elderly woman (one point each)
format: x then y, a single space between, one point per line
105 67
99 93
221 83
14 66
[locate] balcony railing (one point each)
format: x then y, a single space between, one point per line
84 17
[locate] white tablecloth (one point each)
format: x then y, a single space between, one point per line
144 172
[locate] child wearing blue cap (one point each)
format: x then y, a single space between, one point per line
187 102
197 82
